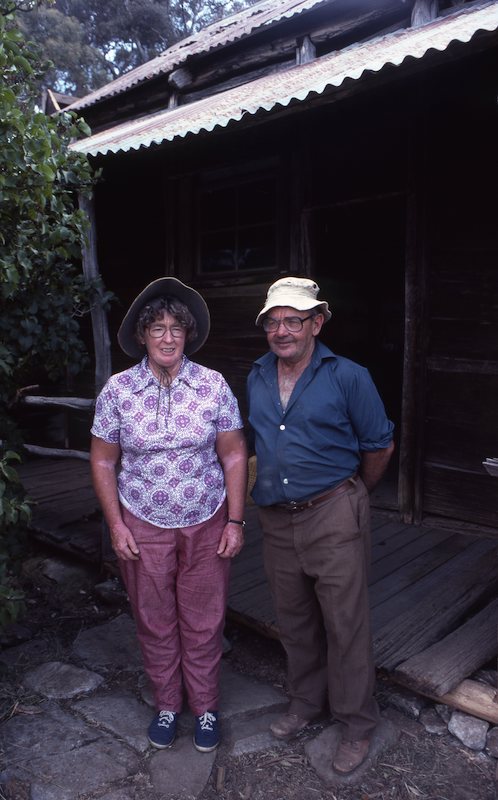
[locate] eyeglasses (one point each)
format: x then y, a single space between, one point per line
157 331
291 324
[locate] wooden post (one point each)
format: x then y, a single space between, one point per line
100 328
424 11
413 397
306 51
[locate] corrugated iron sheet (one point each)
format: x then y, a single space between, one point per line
295 84
219 34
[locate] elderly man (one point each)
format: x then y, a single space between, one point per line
322 441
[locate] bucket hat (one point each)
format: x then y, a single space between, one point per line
170 287
298 293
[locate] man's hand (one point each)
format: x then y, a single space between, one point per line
373 465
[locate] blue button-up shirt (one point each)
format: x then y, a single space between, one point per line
334 414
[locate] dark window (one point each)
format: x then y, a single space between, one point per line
238 224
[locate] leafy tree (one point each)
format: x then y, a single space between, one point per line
14 516
75 65
90 42
41 284
42 289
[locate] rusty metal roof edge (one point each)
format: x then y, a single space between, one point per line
172 58
376 54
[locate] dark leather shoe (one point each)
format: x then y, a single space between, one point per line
288 725
350 754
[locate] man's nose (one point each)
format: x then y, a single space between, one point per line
280 323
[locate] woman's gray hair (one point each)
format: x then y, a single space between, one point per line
155 310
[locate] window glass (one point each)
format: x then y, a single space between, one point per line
237 225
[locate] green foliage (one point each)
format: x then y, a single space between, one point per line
14 517
42 289
76 65
91 42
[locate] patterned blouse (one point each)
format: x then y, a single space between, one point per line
170 474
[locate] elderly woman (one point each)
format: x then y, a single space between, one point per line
175 510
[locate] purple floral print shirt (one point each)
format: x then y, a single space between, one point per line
169 474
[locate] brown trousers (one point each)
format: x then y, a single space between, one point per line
317 564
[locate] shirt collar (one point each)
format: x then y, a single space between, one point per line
142 376
320 353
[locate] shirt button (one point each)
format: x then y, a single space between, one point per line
282 427
285 480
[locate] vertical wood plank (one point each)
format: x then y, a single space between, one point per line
100 328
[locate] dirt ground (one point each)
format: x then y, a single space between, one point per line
420 767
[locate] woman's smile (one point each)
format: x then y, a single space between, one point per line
165 342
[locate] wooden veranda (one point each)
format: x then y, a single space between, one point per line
432 586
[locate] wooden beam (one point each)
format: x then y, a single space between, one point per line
54 451
424 11
262 56
67 402
409 437
100 329
54 100
478 699
411 442
180 78
441 667
305 51
465 579
233 81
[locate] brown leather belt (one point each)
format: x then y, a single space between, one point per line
295 506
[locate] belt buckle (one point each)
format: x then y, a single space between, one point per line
293 506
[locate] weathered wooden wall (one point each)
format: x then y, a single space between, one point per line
354 177
461 414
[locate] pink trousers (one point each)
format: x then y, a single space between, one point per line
178 593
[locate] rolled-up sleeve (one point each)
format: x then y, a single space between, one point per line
106 421
368 415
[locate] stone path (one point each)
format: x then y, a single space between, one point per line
88 735
84 732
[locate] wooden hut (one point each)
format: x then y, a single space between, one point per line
352 141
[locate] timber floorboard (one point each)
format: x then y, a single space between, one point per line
413 567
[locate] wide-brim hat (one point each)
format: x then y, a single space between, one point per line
164 287
298 293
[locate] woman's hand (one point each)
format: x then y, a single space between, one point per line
123 543
232 452
232 541
103 459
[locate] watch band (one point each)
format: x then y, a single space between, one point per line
241 522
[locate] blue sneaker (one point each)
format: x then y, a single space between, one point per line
162 729
207 734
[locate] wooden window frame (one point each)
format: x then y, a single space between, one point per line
238 176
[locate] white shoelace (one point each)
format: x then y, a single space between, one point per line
166 718
206 721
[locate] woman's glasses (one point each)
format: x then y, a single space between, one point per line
157 331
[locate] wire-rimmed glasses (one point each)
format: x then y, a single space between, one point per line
291 324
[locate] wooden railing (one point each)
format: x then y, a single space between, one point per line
101 343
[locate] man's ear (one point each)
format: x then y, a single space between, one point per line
318 321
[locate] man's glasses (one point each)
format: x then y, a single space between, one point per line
291 324
157 331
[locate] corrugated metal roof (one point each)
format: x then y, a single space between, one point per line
295 84
219 34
